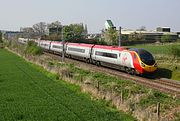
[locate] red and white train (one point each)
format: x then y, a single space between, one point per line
134 61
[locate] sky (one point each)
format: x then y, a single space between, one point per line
130 14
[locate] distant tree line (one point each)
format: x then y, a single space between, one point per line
54 31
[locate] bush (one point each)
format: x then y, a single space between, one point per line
175 51
37 51
31 43
33 49
154 97
136 37
166 38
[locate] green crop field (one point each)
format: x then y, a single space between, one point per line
27 94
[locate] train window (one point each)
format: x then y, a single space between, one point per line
99 53
56 46
135 56
119 54
44 44
104 54
76 49
146 57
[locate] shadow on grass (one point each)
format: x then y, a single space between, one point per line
160 73
163 73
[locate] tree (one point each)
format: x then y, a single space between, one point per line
142 28
55 30
29 31
136 36
55 24
166 38
78 29
111 36
73 32
68 33
40 28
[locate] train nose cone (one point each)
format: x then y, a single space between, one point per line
150 68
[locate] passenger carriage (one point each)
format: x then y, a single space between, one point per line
45 44
56 47
79 51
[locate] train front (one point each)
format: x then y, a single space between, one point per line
146 62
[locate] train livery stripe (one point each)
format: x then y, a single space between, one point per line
136 62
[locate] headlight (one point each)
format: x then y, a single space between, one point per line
155 65
142 64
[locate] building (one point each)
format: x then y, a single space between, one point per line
178 33
27 29
163 29
144 35
149 35
54 30
109 24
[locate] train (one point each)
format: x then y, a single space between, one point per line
131 60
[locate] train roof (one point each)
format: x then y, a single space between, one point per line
139 50
45 41
99 46
81 44
56 42
110 47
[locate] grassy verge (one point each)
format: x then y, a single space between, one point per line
28 94
130 89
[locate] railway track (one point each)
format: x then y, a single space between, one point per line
164 85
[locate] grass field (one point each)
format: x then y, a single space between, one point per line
156 48
27 94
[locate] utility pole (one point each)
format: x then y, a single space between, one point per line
0 36
62 58
120 36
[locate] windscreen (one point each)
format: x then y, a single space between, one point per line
146 57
